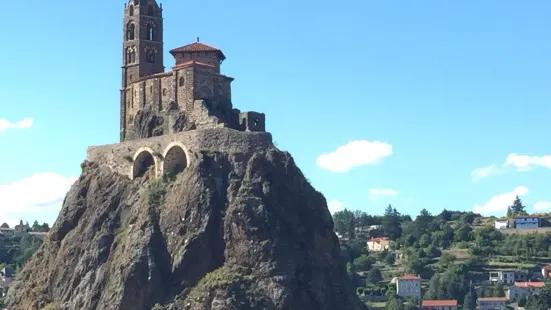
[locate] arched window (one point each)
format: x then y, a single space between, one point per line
132 56
127 56
150 11
130 31
131 10
181 81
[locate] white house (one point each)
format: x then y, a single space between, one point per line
439 304
524 289
491 303
502 224
409 285
378 244
508 276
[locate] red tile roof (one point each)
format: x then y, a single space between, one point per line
197 47
439 303
493 299
530 284
410 277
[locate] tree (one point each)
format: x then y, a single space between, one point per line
362 263
521 301
518 208
345 223
469 302
5 225
390 258
445 215
374 276
392 223
509 213
394 304
499 290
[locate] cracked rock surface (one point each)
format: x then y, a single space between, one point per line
232 231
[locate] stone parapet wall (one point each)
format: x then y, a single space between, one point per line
120 156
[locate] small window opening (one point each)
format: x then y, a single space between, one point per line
150 33
130 32
164 91
181 82
131 10
256 122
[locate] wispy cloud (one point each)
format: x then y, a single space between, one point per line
6 124
354 154
335 206
542 205
499 203
513 162
38 197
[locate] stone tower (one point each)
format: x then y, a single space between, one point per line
142 47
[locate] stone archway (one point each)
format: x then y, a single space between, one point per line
144 162
175 158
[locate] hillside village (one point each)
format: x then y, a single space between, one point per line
17 245
452 260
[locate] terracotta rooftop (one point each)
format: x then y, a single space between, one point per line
409 277
439 303
548 268
493 299
197 47
530 284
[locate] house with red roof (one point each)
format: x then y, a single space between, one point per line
409 286
524 289
439 304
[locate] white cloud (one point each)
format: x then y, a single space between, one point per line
5 124
335 206
542 205
500 202
354 154
514 162
383 192
38 197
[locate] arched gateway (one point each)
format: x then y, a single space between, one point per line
144 162
175 158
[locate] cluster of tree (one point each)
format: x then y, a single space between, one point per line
36 227
16 250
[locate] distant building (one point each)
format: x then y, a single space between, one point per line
6 272
524 289
526 222
501 224
439 304
409 286
491 303
40 235
378 244
546 272
507 276
7 232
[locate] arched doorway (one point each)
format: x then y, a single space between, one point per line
144 162
175 159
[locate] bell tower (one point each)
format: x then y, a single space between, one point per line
142 46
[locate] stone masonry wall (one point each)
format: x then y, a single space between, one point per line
119 157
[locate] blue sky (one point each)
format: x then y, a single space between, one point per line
446 87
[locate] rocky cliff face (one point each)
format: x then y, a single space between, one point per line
233 231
